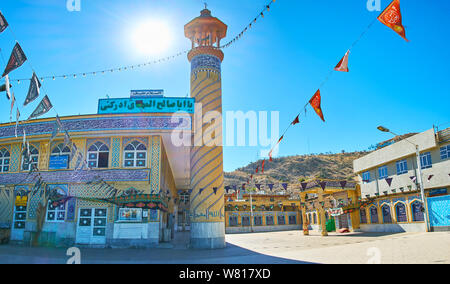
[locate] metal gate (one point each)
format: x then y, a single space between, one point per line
439 213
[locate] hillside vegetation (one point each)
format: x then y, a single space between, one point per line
294 169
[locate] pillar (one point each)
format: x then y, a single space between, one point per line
207 198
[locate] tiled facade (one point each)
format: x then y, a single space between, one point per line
63 224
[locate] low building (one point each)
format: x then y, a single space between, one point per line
266 212
335 199
389 179
114 184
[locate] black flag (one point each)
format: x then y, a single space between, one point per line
3 23
33 91
16 60
44 106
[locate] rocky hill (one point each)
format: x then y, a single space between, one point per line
294 169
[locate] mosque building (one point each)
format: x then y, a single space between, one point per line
120 180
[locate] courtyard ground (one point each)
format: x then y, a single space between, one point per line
289 247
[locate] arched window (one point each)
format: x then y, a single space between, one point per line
373 215
400 212
30 158
59 158
4 160
98 155
362 216
416 209
386 211
135 155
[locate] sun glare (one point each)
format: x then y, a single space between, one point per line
152 37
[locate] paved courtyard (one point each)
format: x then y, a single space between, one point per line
264 248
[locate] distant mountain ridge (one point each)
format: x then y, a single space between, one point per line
294 169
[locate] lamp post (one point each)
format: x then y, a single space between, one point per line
419 173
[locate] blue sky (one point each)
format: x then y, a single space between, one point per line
276 66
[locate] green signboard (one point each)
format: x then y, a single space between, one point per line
146 105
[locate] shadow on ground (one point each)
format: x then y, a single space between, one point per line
232 254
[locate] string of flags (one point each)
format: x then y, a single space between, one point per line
259 186
392 18
16 60
249 26
106 71
136 66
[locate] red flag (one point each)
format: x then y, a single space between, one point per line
281 138
257 169
262 166
392 18
315 103
296 120
343 64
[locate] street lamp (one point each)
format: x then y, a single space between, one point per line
419 173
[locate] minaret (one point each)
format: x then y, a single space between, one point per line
207 197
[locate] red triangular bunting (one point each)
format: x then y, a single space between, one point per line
315 102
392 18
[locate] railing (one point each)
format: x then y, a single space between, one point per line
444 135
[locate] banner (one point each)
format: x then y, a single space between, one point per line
44 106
16 60
3 23
33 91
7 87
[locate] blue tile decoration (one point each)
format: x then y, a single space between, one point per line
115 152
80 176
102 123
206 61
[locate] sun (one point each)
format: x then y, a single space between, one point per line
151 37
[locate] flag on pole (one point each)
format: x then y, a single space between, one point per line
392 18
79 160
44 106
262 166
66 138
13 101
16 60
73 151
7 87
3 23
270 156
58 120
296 120
33 91
343 64
17 120
55 132
24 138
315 102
